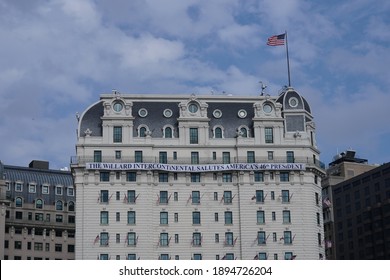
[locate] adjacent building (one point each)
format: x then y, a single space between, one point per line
37 213
198 177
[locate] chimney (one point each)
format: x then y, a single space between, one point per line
39 164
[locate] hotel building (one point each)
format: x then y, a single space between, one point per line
198 177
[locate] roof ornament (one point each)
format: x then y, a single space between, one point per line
263 87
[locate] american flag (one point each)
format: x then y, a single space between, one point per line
276 40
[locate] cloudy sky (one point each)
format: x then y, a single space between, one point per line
58 56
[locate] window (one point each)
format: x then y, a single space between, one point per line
290 156
176 196
131 198
71 219
261 237
227 197
39 204
104 176
195 177
226 157
163 177
193 135
104 196
243 132
164 257
59 205
319 239
196 239
163 157
18 215
32 188
216 238
259 176
103 257
18 245
117 216
229 239
284 176
164 241
270 155
104 239
196 218
163 218
118 154
168 132
260 217
18 187
176 238
274 237
197 257
269 134
58 247
104 217
285 196
318 219
195 197
131 176
215 196
163 197
216 218
142 132
250 156
176 217
131 239
227 177
174 155
131 217
18 202
218 132
59 218
117 134
97 156
286 217
228 217
45 189
58 190
288 256
194 158
287 237
229 256
70 191
138 156
38 246
273 216
259 196
272 195
317 198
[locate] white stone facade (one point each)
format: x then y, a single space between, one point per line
198 177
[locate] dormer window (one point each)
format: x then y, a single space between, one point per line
193 108
118 106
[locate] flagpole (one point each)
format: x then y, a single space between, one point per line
288 62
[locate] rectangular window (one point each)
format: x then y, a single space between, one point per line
18 187
58 190
18 245
118 154
163 157
259 176
176 217
163 177
284 176
174 155
45 189
285 196
176 196
261 237
104 176
286 217
58 247
117 134
193 135
59 218
163 218
269 134
215 196
104 239
131 197
32 188
131 217
229 241
260 217
176 238
227 197
272 195
163 197
70 191
195 197
262 256
287 237
216 238
104 196
290 156
18 215
317 198
164 241
97 156
270 155
216 218
196 218
214 155
104 217
197 239
118 216
195 177
273 216
227 177
226 157
131 176
228 217
38 246
259 196
131 239
103 257
194 158
250 156
138 156
197 257
318 219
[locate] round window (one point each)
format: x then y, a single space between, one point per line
193 108
167 113
217 113
118 106
242 113
267 108
293 102
142 112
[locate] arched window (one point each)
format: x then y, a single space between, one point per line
18 202
142 132
244 132
168 132
39 204
59 205
218 132
71 206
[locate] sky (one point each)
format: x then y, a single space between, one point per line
58 56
